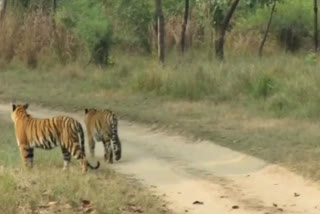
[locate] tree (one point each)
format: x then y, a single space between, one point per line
54 6
315 5
268 26
161 30
219 42
184 26
3 7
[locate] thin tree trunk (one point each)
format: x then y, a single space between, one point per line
3 7
184 26
267 30
219 43
161 31
54 6
316 25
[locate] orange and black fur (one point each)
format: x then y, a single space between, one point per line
102 125
48 133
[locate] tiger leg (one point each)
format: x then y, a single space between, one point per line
75 150
66 157
92 145
115 139
27 156
108 153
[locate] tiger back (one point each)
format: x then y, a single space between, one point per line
47 134
102 125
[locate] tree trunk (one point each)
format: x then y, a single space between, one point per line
219 43
54 6
184 26
316 25
268 28
3 7
161 30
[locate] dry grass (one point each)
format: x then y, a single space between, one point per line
33 38
46 189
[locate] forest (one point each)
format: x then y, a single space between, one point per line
261 53
66 31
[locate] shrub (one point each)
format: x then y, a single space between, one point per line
292 22
87 20
132 21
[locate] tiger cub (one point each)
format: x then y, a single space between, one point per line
48 133
102 125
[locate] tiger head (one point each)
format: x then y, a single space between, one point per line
89 111
18 110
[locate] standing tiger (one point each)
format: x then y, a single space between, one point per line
102 125
48 133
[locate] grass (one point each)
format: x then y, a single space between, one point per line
264 107
45 189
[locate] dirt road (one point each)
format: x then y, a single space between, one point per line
184 172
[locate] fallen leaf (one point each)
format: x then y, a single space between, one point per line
47 192
85 202
235 207
88 210
51 203
197 202
67 206
136 209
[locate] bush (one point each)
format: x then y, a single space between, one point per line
263 86
87 20
132 22
292 22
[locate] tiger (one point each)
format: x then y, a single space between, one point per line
102 125
48 133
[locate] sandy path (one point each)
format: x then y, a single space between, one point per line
184 171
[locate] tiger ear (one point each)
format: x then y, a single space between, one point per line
86 111
14 107
25 106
